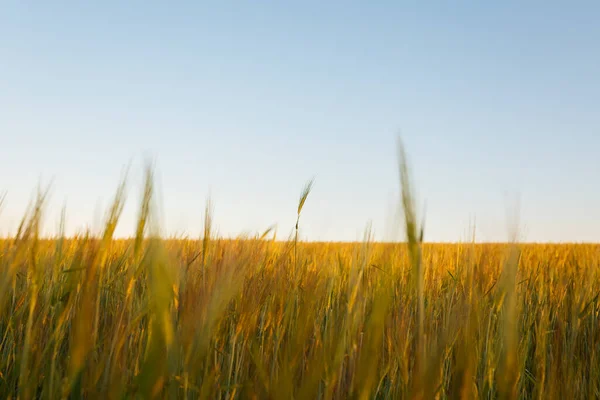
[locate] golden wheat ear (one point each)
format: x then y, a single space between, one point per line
304 195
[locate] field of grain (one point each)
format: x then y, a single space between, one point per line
255 317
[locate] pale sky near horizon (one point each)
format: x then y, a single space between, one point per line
248 100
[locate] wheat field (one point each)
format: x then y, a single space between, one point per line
255 317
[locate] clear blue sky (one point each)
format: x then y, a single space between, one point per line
248 100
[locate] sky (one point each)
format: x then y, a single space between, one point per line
497 104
